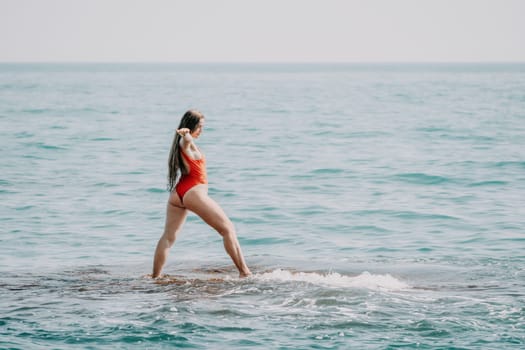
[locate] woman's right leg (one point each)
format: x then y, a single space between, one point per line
175 217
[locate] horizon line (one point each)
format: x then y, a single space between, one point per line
265 62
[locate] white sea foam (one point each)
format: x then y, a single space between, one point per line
333 279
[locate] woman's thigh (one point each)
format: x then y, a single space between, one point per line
175 215
198 201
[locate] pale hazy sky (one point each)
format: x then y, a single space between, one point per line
262 30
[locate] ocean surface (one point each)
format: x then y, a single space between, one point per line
379 206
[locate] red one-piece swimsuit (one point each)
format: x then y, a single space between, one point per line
196 175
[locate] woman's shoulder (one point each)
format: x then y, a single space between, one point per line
191 151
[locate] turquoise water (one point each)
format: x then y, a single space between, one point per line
380 206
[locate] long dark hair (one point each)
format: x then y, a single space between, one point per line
189 120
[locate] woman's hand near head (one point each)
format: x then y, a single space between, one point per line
183 131
186 138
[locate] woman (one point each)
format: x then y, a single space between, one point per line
190 192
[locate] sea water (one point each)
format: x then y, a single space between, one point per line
379 206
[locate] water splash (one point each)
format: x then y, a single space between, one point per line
333 279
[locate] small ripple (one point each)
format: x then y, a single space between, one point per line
341 325
404 214
422 179
5 182
370 228
235 329
117 211
97 139
488 183
105 184
505 164
327 171
155 190
265 241
44 146
36 110
25 207
23 135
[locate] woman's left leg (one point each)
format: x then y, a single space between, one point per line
198 201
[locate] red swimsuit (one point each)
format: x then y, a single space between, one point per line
196 175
